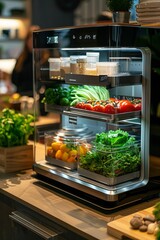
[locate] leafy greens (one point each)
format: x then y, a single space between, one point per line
113 153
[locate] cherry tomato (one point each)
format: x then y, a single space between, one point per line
109 108
125 106
138 106
98 108
80 105
115 100
88 106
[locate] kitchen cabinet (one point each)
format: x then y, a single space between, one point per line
21 222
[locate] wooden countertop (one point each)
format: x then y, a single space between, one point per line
26 189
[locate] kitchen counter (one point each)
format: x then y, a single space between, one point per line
24 188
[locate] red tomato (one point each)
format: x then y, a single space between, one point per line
98 108
138 106
88 106
80 105
115 100
109 108
125 106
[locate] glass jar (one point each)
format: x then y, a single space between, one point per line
82 62
92 59
54 68
73 64
65 66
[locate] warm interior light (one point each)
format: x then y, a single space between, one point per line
7 65
14 24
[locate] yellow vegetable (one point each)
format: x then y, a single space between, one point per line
73 153
71 159
82 150
65 156
56 145
59 154
64 148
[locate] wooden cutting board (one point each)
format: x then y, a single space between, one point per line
121 227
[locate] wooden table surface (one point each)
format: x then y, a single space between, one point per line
26 189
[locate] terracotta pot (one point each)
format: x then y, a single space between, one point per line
121 17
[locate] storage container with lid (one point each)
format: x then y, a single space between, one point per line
82 62
92 59
62 146
107 68
54 68
64 66
113 158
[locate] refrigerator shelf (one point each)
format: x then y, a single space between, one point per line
55 108
72 111
102 116
111 181
122 79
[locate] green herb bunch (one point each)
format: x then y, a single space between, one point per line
119 5
15 128
58 95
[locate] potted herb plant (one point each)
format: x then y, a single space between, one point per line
15 130
120 9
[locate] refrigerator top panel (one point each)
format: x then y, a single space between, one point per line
95 37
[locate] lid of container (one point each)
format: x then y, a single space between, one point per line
72 133
54 60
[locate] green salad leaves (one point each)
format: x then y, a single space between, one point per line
113 153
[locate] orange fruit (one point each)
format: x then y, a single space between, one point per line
56 145
65 156
73 153
59 154
71 159
64 148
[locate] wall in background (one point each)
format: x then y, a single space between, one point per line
47 14
88 11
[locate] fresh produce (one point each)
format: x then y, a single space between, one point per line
125 106
111 105
85 93
58 95
92 98
66 151
113 153
147 224
69 96
15 128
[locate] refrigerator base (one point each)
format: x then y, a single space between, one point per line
122 200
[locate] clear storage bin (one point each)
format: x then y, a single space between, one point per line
92 59
110 164
107 68
54 68
64 66
62 147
